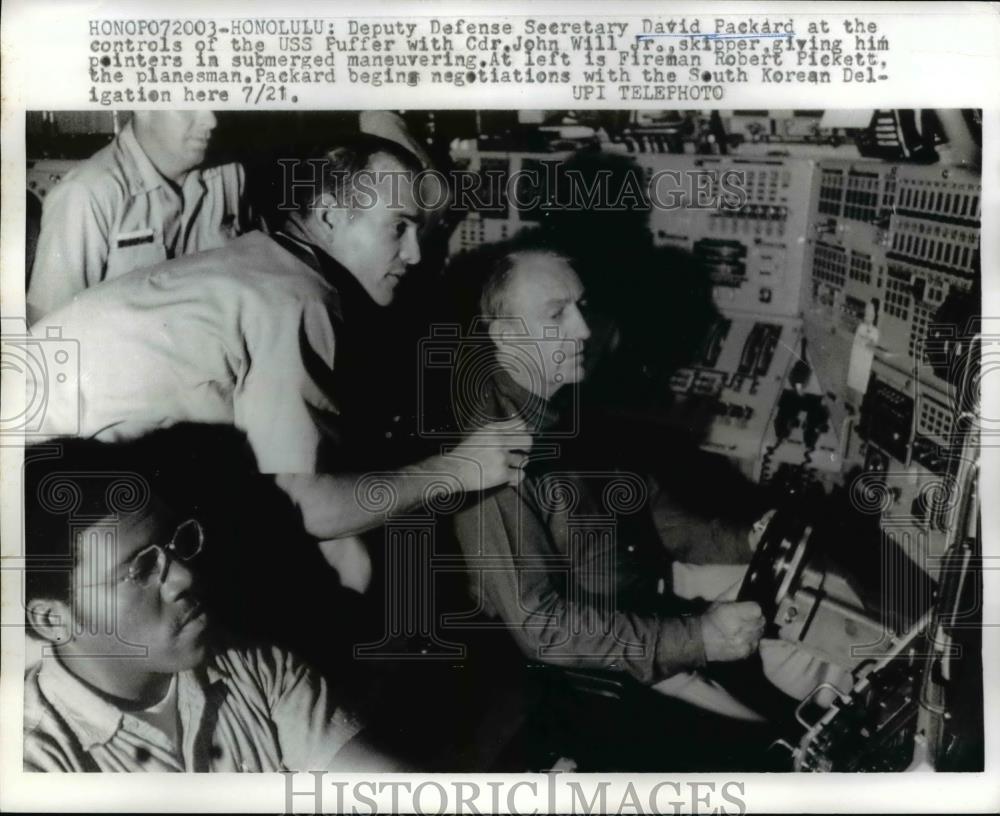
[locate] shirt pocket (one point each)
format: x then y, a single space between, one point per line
122 260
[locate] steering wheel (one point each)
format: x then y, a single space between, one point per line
776 563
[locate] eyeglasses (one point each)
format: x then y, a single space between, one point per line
151 563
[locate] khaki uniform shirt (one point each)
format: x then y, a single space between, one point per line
243 335
115 213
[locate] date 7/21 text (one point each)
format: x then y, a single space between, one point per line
263 93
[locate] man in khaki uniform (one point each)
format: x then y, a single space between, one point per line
254 334
141 200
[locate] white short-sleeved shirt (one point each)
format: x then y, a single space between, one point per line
244 710
115 212
242 335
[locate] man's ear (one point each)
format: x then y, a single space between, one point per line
497 330
50 619
331 214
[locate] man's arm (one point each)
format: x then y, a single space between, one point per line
285 405
72 250
337 505
530 596
313 732
360 755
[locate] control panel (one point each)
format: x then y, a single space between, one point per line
847 292
750 397
511 193
45 174
916 701
890 319
742 220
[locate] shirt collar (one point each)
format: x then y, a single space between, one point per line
294 240
514 399
144 176
353 298
93 719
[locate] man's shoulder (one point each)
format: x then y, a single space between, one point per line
251 279
48 743
256 253
234 656
226 182
227 172
34 705
102 178
253 261
263 667
263 270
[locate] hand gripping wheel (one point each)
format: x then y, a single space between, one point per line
776 564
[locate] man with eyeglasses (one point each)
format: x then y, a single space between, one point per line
131 678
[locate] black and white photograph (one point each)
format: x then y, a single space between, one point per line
533 407
503 441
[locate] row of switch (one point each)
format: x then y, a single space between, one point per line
761 212
734 410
